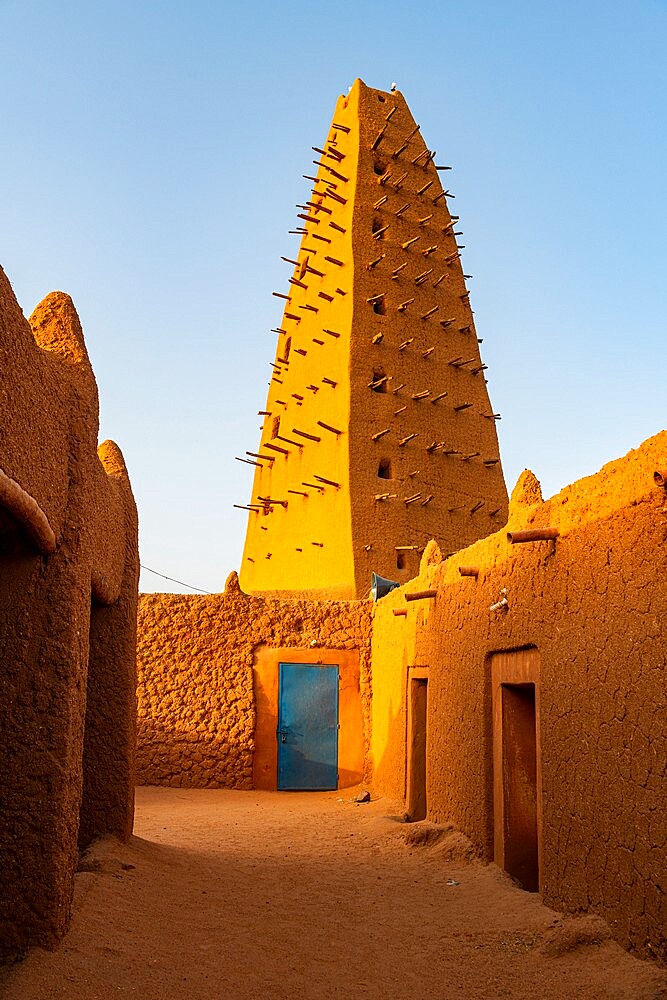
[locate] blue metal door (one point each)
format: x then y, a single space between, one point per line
308 727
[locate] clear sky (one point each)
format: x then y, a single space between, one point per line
151 160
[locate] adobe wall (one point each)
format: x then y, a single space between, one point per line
68 592
594 605
199 661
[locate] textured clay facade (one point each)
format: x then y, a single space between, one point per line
575 657
207 691
378 432
68 595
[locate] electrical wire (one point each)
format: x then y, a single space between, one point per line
172 580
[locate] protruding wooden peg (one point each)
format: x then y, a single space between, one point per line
400 410
438 197
433 446
278 380
443 168
332 333
245 506
488 462
397 270
425 152
288 260
430 312
299 399
341 128
385 496
391 113
328 427
378 232
320 545
316 149
378 138
421 278
341 291
412 499
277 503
492 416
325 296
335 154
334 173
408 243
385 177
328 482
381 201
438 280
441 395
248 462
314 486
397 388
313 388
292 316
425 187
376 383
428 352
324 239
376 298
399 612
444 323
399 212
310 437
378 338
374 263
279 295
478 369
421 595
334 260
297 444
427 501
460 362
316 341
411 475
339 229
405 344
469 571
533 535
264 413
309 308
298 493
398 183
492 513
478 506
422 395
462 406
308 218
336 197
275 447
465 329
265 458
278 329
380 434
404 305
413 132
401 149
300 350
330 381
312 270
367 548
429 250
405 440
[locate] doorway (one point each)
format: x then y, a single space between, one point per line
417 721
517 766
307 731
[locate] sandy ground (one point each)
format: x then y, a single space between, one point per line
250 895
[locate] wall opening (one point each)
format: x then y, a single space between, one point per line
379 167
384 468
378 227
520 784
417 716
379 380
400 560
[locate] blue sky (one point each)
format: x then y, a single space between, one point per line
152 159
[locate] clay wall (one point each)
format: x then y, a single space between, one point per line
68 582
207 666
378 433
592 607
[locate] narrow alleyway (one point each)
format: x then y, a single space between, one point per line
247 895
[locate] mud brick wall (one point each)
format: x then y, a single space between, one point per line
196 712
594 605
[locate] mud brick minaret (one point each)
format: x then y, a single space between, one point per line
378 432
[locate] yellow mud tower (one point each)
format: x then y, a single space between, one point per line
378 432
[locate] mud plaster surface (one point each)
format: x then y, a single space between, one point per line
255 894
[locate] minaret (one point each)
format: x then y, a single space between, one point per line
378 432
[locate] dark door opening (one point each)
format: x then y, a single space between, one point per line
416 797
519 769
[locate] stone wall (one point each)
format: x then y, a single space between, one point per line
593 603
196 704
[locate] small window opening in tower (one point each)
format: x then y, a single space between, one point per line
379 307
381 99
379 381
275 427
400 560
379 167
384 468
378 225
